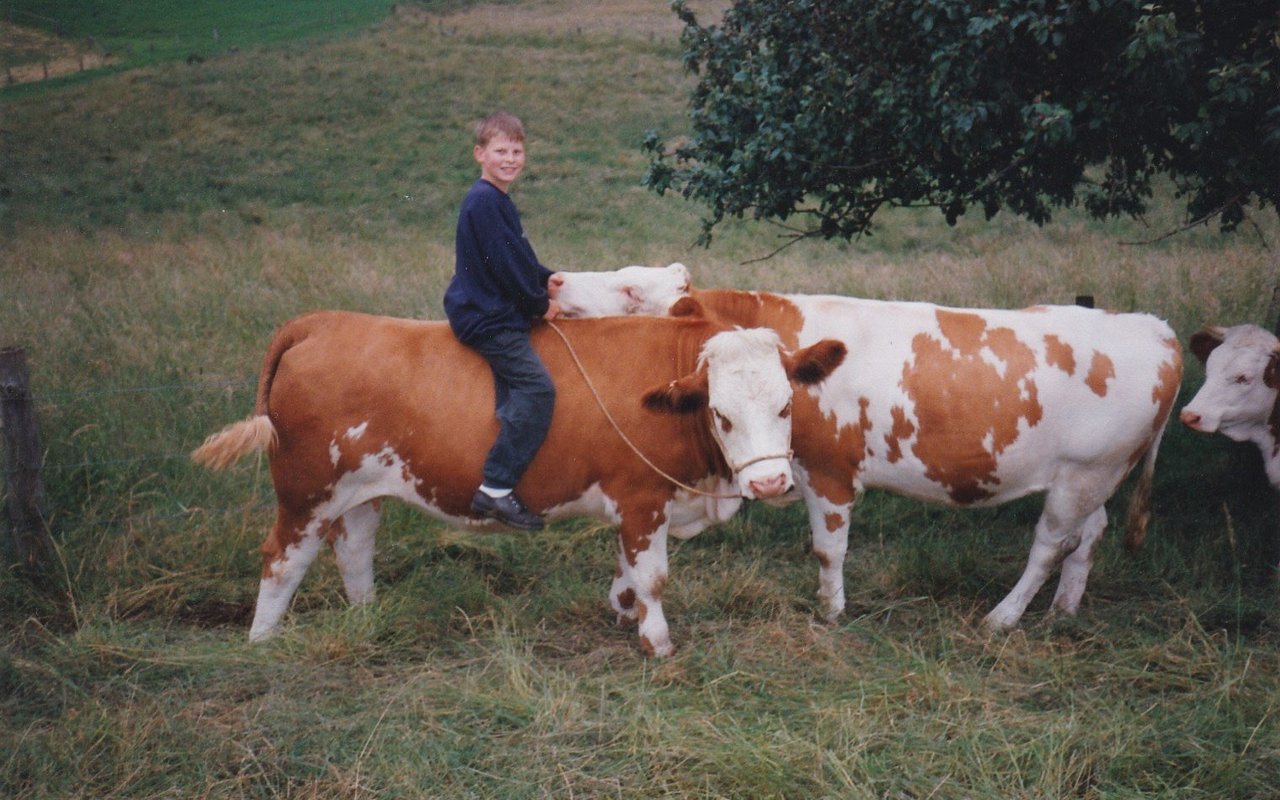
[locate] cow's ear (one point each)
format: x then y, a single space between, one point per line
684 396
1271 373
1203 342
814 363
686 307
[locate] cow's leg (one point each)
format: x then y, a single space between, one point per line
642 576
1046 552
286 554
622 594
1076 566
829 527
830 513
1072 521
353 550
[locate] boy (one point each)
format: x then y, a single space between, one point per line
498 289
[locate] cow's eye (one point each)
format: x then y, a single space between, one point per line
725 424
1242 379
785 413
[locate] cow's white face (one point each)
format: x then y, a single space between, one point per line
1242 374
749 395
648 291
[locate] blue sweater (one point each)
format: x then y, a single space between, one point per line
498 282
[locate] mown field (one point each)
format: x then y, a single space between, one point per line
157 223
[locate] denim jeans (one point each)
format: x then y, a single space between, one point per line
524 400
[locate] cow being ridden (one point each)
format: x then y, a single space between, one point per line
972 407
1240 397
352 408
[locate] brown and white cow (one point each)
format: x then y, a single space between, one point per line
1240 397
970 407
353 408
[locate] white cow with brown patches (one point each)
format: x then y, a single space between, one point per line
972 407
1240 397
353 408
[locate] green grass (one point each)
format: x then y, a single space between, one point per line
155 31
157 223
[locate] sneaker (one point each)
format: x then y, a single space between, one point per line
508 510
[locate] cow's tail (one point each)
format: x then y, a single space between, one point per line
256 433
1138 517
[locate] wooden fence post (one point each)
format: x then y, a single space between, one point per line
24 480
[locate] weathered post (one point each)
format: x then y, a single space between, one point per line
24 480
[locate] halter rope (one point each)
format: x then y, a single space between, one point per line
600 402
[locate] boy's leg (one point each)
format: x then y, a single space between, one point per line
525 402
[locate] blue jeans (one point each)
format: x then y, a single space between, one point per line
524 400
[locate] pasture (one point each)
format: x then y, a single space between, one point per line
158 223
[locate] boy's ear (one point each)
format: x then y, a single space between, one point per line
814 363
686 307
686 395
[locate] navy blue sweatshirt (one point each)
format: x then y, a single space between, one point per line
498 282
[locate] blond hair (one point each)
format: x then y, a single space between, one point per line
500 123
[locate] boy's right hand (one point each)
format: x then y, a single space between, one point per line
553 310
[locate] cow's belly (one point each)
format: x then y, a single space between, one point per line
910 478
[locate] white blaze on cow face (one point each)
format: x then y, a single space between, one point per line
1242 374
749 395
648 291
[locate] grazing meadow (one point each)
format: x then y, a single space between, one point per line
159 221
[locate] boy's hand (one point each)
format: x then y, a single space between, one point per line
553 285
553 310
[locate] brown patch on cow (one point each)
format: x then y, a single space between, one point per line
1101 370
333 530
633 546
1058 353
1166 388
834 521
642 611
823 558
832 452
754 310
901 429
627 599
967 408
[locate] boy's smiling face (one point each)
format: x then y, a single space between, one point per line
501 161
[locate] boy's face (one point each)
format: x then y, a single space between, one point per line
501 161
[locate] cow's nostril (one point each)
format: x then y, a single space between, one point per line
1190 418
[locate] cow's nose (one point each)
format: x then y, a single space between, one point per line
1190 418
769 487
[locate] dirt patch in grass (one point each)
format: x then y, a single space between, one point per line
34 55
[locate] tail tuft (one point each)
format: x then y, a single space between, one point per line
1138 517
228 445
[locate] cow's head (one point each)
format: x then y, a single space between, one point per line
747 381
1241 378
647 291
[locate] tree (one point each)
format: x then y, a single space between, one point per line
834 109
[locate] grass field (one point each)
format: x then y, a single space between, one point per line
158 222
